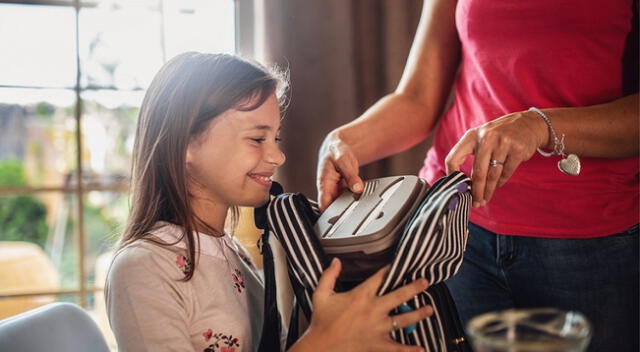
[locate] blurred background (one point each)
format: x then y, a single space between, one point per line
72 77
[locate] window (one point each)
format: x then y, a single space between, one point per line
72 78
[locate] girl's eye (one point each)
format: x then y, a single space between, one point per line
278 139
258 140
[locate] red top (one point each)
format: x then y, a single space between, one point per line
543 53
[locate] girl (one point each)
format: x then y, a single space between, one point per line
206 142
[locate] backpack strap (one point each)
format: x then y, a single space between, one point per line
271 328
432 247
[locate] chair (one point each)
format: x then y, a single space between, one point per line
55 327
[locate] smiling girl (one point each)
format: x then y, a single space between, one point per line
207 142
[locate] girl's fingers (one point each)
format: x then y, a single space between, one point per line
406 319
402 294
328 279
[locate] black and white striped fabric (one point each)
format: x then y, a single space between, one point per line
431 247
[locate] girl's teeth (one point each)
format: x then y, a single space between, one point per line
263 178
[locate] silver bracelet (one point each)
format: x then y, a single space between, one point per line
569 164
558 143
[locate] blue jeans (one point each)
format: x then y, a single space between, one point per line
598 277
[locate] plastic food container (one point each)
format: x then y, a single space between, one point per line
362 230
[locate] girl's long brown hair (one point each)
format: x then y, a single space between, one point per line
184 96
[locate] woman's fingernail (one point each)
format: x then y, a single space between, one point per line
424 283
476 204
357 187
484 202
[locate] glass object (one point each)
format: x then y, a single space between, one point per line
530 330
37 137
39 46
108 130
117 48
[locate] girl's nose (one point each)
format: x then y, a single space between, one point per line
275 156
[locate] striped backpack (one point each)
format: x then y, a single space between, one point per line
431 246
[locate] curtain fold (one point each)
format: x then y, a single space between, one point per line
343 55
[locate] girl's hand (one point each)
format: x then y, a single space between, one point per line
337 170
358 320
509 140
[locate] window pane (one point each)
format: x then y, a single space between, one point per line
108 129
38 249
38 45
199 25
105 214
37 137
120 46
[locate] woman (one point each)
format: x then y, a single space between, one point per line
538 236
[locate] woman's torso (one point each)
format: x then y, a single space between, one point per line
518 54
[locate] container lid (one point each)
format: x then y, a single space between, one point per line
355 220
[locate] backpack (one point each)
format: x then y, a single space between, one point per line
430 245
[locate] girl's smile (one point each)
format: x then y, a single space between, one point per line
263 179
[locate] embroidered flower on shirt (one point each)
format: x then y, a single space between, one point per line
183 263
221 343
207 335
238 280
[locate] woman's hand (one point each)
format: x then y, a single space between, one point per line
338 169
358 320
509 140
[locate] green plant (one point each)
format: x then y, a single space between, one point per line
11 173
22 217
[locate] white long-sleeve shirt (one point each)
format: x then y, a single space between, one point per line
151 309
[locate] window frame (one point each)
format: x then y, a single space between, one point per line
244 44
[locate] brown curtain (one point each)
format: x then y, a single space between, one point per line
343 55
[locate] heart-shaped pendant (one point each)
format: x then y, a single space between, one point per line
570 165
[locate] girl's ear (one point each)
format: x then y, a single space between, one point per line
188 158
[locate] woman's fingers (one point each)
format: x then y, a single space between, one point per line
328 184
328 279
481 164
510 166
402 294
347 166
337 164
494 172
460 151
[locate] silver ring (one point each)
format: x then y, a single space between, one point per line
495 163
394 324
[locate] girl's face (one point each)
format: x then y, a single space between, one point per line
233 160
